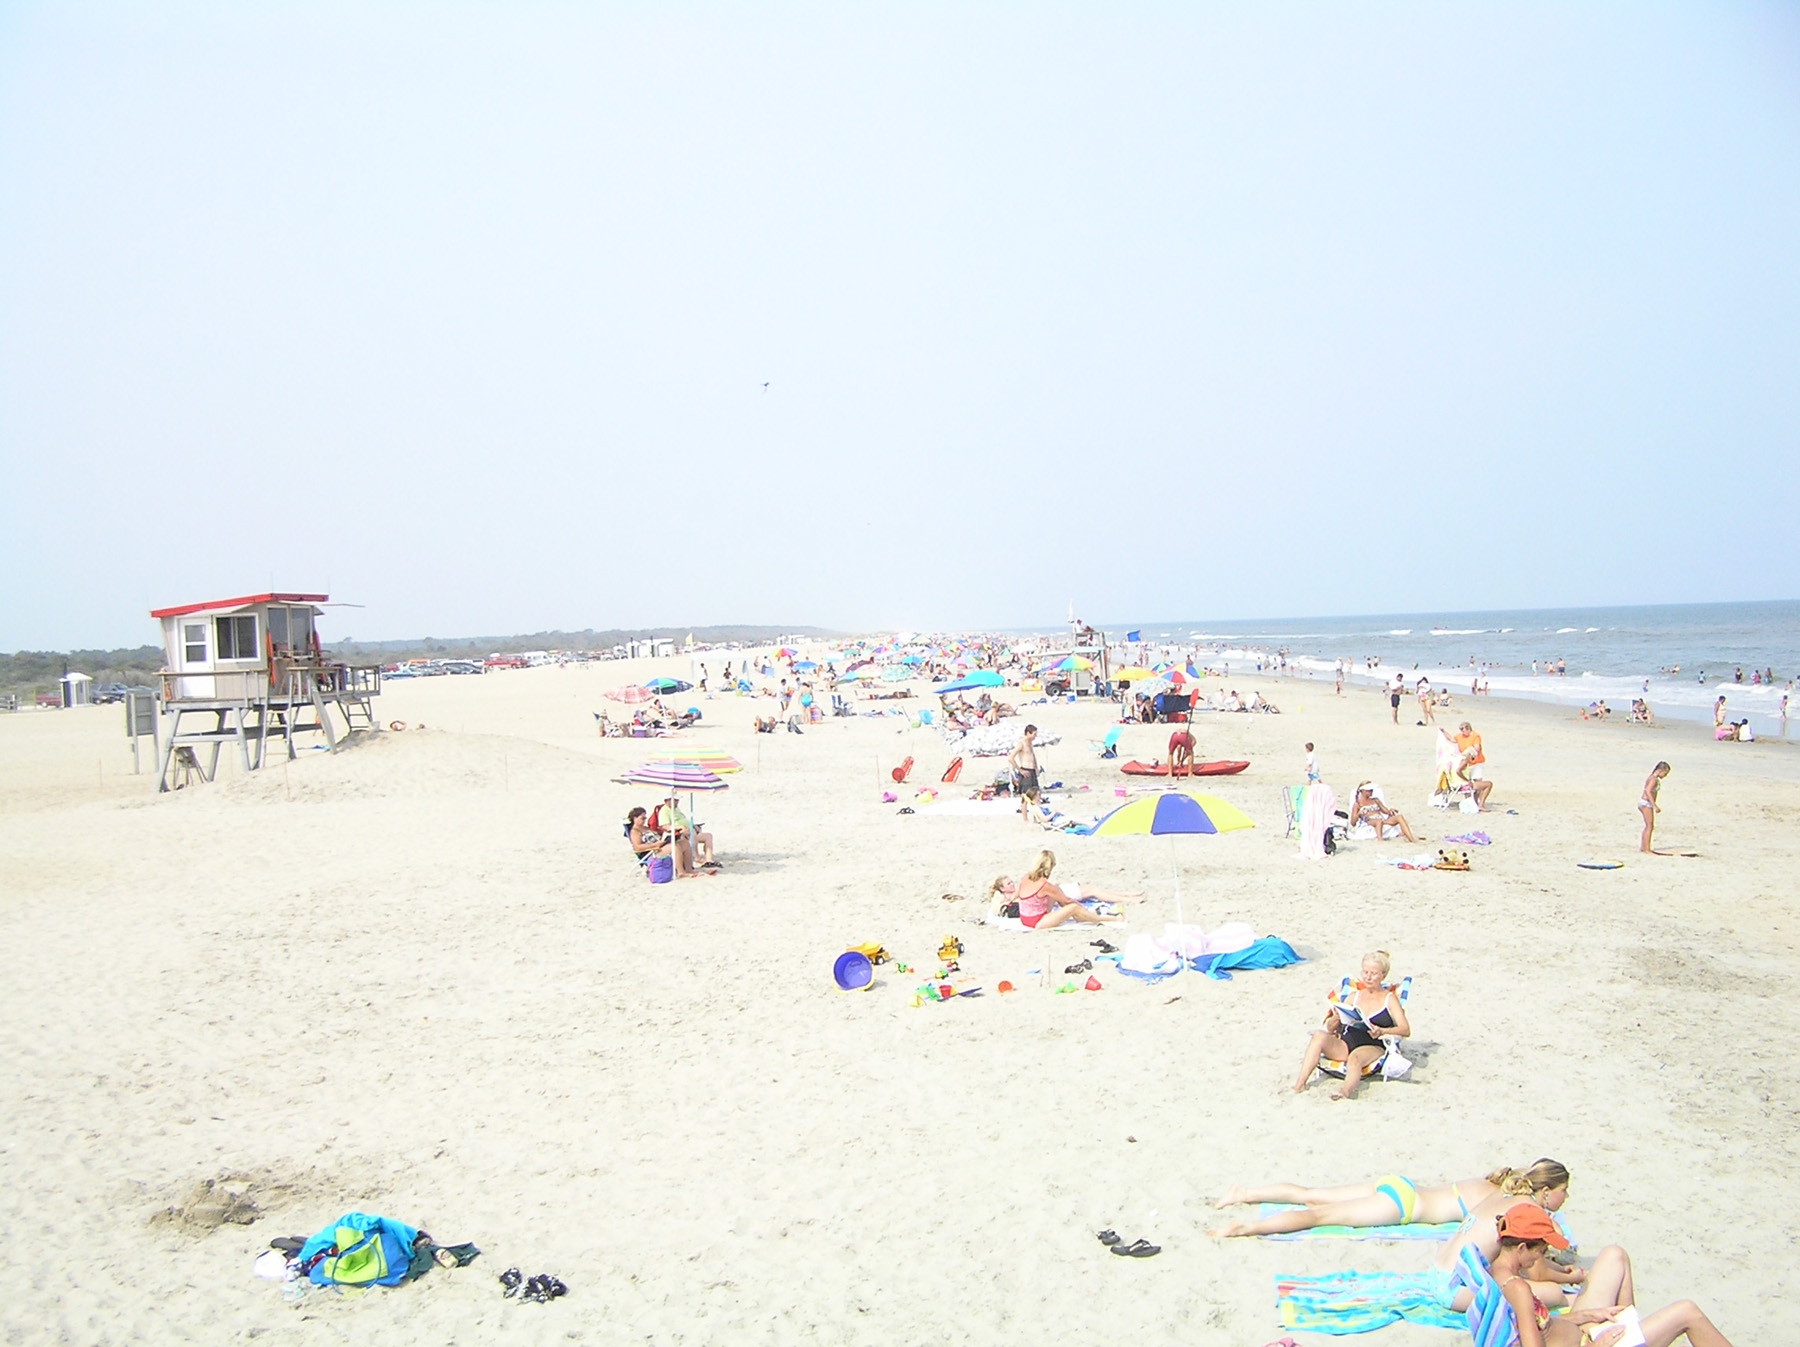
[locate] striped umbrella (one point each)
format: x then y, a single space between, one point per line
631 694
713 759
675 774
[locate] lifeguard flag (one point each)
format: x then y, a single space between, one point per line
1134 636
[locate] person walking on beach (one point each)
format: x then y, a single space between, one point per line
1024 764
1312 765
1426 717
1395 688
1647 805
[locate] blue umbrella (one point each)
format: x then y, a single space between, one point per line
668 685
981 678
805 666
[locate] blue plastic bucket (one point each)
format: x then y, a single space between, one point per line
853 972
661 869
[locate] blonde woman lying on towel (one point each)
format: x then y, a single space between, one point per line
1394 1200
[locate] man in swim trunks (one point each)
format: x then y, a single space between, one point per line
1181 752
1024 764
1395 688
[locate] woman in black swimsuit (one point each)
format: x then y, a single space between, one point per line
1349 1040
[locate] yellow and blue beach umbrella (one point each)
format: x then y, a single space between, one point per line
1173 811
1170 813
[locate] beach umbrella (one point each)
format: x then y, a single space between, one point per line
1171 813
786 652
1070 663
713 759
631 694
676 774
912 659
658 686
1133 674
981 678
805 666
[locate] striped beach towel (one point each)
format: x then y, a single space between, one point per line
1361 1302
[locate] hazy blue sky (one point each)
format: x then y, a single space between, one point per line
466 311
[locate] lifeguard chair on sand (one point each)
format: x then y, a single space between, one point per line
255 666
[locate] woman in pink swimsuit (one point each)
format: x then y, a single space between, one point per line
1043 904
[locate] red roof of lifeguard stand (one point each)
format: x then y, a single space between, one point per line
243 602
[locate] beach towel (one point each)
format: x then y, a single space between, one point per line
1361 1302
1269 952
1191 942
1472 840
1145 958
1318 809
1412 1230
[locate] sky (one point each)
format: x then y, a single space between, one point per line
508 317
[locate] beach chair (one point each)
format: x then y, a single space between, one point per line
1491 1322
1390 1065
1291 798
1109 746
925 718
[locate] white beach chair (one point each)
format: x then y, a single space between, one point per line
1390 1065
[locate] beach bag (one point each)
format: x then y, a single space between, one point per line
359 1250
661 869
1010 910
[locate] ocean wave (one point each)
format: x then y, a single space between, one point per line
1403 631
1459 631
1562 630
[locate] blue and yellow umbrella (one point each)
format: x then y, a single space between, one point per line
1171 812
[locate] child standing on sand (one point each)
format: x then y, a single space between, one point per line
1647 805
1312 765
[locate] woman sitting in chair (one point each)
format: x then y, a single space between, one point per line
1368 807
1355 1040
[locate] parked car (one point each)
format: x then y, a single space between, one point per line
106 693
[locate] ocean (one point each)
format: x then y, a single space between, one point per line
1679 657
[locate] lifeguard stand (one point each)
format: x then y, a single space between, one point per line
255 666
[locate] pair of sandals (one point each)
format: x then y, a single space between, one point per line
1085 966
1141 1248
540 1289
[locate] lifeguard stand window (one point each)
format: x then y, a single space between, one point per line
193 642
237 637
278 626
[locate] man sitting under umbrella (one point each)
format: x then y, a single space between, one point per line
668 820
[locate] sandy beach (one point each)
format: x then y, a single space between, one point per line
424 977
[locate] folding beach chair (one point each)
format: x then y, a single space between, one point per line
1291 798
1390 1065
1109 746
1491 1321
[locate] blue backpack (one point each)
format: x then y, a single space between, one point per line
359 1250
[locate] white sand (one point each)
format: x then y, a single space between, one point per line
423 977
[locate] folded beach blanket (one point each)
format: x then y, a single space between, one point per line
1472 840
1413 1230
1361 1302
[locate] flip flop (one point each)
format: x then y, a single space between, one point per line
1143 1248
1086 965
1109 1237
1105 947
511 1280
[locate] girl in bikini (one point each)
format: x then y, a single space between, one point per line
1647 805
1352 1042
1525 1233
1394 1200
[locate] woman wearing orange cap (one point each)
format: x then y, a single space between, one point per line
1526 1231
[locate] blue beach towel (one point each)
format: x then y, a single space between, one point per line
1269 952
1361 1302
